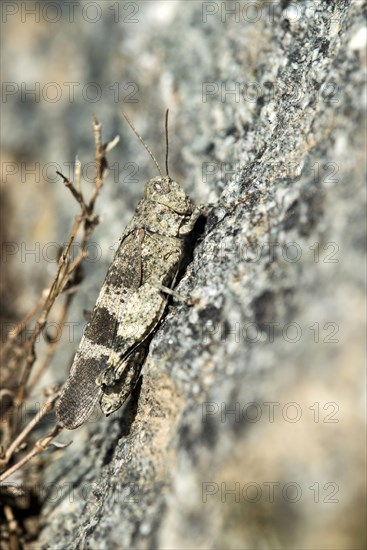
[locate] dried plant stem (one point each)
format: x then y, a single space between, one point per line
65 281
20 327
52 347
18 440
101 164
13 527
62 277
40 446
77 194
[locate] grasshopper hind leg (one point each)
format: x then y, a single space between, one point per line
114 395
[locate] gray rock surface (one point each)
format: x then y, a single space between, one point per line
257 387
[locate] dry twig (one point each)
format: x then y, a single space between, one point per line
19 351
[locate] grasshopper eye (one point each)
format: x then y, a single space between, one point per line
162 187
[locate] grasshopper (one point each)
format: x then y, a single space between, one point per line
132 300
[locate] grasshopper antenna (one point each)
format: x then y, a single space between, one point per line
166 126
143 142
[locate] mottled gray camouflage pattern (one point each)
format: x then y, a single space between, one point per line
107 364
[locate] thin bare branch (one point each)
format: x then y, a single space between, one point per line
52 347
20 327
47 407
39 447
76 194
100 163
24 356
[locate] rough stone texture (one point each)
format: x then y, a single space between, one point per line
155 474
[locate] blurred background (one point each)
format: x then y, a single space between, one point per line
272 93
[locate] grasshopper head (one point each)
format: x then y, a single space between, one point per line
169 193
